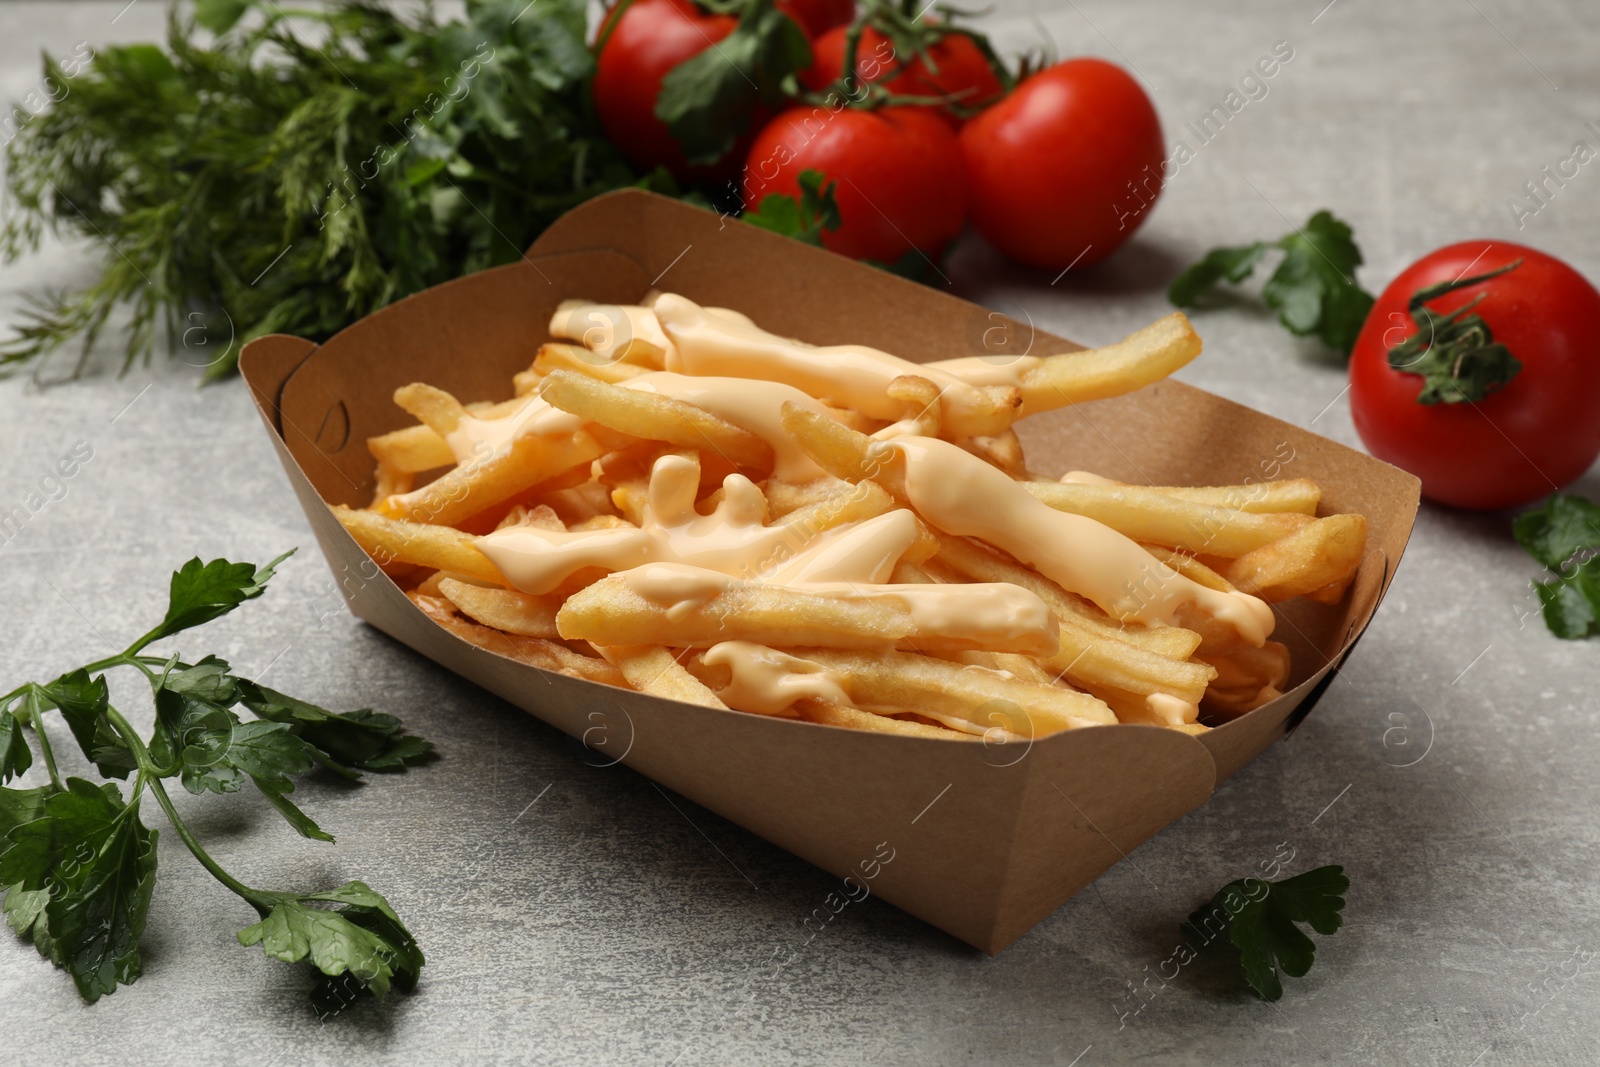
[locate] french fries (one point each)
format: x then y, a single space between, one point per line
654 417
1151 515
606 530
653 669
1143 357
1318 555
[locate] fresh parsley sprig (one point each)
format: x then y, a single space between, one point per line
1259 920
1313 290
1563 536
78 864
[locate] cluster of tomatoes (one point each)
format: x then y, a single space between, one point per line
1057 169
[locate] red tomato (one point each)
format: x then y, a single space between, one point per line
953 67
817 17
1065 169
651 38
897 174
1537 433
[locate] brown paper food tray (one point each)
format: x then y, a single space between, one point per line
986 840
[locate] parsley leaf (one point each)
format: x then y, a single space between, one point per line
1563 527
361 740
18 806
201 592
1313 290
708 100
363 937
1556 535
83 702
1259 918
15 755
96 863
803 219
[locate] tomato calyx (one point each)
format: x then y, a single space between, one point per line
1455 354
912 39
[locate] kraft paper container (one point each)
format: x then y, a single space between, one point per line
987 840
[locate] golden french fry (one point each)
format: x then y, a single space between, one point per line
846 504
1190 568
442 548
1092 662
1247 679
653 669
1300 495
1333 592
654 417
525 382
921 398
1137 709
1154 516
413 450
1144 356
390 481
482 482
982 564
503 609
828 714
433 407
554 357
1025 668
976 695
534 651
784 497
1002 450
843 452
580 503
1320 554
611 612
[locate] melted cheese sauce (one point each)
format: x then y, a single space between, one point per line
750 404
767 681
851 376
679 560
988 370
607 328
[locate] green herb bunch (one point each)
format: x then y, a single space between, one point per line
77 863
291 172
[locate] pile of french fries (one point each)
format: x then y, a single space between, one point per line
577 457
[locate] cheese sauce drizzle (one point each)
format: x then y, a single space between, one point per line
767 681
851 376
962 494
679 559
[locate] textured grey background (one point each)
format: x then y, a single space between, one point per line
574 914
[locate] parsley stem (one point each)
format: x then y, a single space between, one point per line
48 754
150 774
200 853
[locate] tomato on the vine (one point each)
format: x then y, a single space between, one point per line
952 66
644 45
817 17
896 171
1483 387
1066 168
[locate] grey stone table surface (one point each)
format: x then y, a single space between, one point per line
580 915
